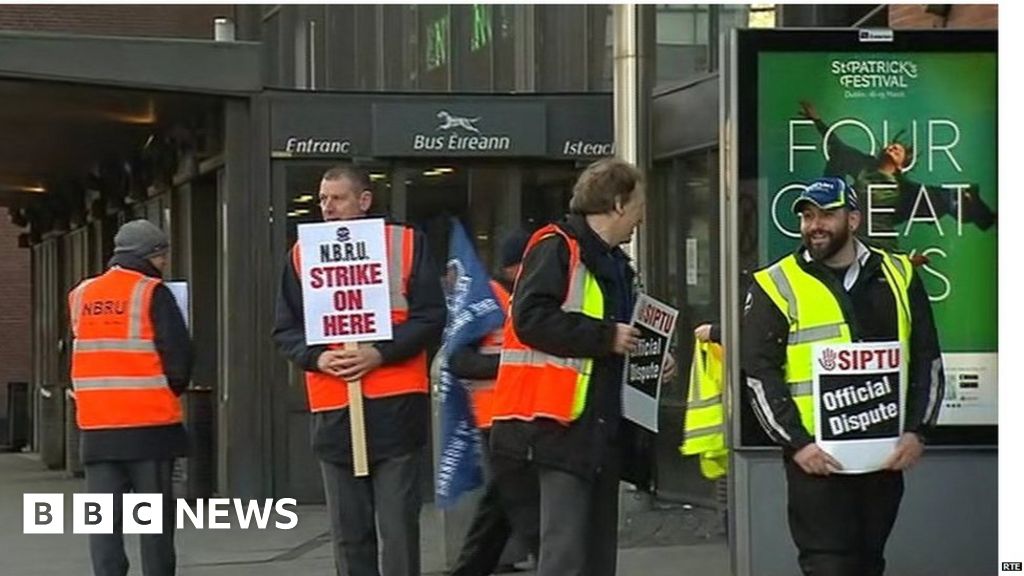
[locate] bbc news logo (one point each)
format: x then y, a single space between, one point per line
143 513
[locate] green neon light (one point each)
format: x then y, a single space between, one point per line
437 43
481 27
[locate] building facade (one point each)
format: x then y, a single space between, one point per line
223 143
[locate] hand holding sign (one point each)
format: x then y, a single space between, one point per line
813 460
907 452
626 338
668 369
354 364
327 362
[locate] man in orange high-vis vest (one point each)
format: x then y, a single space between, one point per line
558 399
395 382
490 530
131 360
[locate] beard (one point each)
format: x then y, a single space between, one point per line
835 242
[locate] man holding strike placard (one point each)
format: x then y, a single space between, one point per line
844 370
392 374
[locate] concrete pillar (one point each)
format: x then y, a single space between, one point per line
633 56
632 53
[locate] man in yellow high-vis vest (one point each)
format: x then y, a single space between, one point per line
836 290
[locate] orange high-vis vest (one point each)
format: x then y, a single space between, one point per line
481 394
116 370
533 384
326 392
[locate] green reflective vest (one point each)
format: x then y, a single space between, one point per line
815 317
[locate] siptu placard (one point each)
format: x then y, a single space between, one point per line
858 402
345 281
642 390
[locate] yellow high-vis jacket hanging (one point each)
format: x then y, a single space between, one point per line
704 424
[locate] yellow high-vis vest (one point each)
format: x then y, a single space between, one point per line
704 422
815 317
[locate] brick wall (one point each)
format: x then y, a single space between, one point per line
15 311
181 21
977 16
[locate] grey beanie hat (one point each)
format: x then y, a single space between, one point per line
140 238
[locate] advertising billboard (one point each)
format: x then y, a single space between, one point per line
911 124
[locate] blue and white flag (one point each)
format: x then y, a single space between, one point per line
473 312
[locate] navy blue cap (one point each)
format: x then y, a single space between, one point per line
513 247
829 193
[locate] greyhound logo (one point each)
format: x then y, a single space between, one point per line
448 122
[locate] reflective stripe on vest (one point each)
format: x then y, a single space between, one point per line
116 369
481 393
326 392
815 317
704 421
532 383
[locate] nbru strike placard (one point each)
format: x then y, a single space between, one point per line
345 281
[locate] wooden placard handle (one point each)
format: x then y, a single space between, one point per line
360 465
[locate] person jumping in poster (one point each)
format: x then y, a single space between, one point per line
889 168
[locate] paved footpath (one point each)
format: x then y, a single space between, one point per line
238 552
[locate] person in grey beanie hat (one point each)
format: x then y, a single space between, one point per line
144 240
131 434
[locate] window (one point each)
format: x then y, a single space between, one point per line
474 45
682 42
367 52
269 38
561 52
435 47
599 48
341 48
309 48
503 36
688 35
401 71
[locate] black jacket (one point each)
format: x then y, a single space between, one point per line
599 434
870 310
396 425
175 348
469 364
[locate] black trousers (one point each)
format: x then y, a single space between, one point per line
840 523
139 476
387 501
491 528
